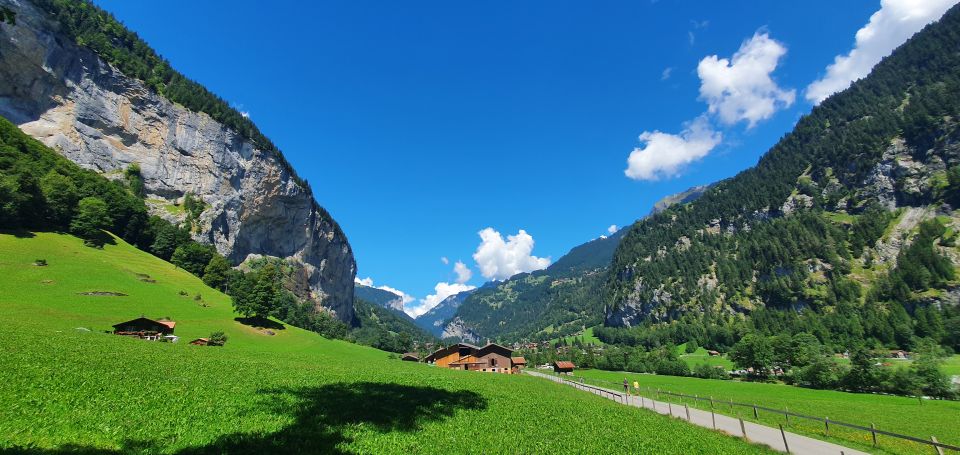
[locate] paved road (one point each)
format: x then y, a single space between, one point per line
798 444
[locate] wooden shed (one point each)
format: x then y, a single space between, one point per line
410 357
563 366
145 328
201 342
518 363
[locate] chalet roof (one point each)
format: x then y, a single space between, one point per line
169 324
494 346
412 355
564 364
448 349
518 360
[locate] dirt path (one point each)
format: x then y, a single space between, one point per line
761 434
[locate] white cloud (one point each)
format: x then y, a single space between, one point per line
741 88
463 272
245 114
499 259
442 291
896 21
613 229
368 281
444 260
666 73
665 155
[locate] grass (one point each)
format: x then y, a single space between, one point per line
65 389
587 335
701 356
896 414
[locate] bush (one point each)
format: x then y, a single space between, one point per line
822 373
707 371
217 339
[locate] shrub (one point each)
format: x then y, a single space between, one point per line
217 338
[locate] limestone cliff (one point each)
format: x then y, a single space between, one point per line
73 101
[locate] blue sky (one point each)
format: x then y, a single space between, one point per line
422 124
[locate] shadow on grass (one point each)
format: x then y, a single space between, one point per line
321 417
261 323
18 233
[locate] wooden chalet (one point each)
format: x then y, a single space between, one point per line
410 357
462 356
518 363
144 328
563 366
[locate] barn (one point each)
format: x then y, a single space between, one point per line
563 366
145 328
492 358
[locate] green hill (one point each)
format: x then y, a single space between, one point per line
67 386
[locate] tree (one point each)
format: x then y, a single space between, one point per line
822 373
168 238
691 347
192 257
61 197
804 349
258 294
754 351
91 219
864 375
215 273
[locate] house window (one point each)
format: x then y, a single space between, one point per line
493 362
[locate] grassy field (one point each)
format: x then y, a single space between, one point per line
587 335
701 356
897 414
67 385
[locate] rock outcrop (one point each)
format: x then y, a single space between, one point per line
71 100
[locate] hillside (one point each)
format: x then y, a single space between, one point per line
75 388
80 82
379 297
844 229
435 320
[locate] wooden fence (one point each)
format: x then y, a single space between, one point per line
622 398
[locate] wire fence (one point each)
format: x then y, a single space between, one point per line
826 421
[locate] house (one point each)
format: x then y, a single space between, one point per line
462 356
519 363
201 342
563 366
410 357
144 328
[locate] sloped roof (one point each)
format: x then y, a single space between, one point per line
564 364
518 360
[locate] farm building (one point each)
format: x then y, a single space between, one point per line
144 328
410 357
563 366
519 363
201 342
462 356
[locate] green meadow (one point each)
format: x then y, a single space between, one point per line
66 386
896 414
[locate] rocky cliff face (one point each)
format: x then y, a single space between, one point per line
74 102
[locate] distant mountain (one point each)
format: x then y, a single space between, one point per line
386 328
380 297
690 195
560 300
434 320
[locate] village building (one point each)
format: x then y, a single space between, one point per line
201 342
144 328
462 356
410 357
563 366
518 363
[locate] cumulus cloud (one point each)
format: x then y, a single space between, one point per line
741 88
887 28
613 229
368 282
441 291
444 260
463 272
499 259
665 155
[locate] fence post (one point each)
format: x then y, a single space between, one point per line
873 432
784 435
642 404
786 413
939 449
756 415
670 408
687 408
743 429
731 404
826 426
713 418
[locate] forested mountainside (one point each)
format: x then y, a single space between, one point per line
77 80
387 329
845 229
560 300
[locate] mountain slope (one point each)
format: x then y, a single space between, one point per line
135 110
809 231
434 321
379 297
